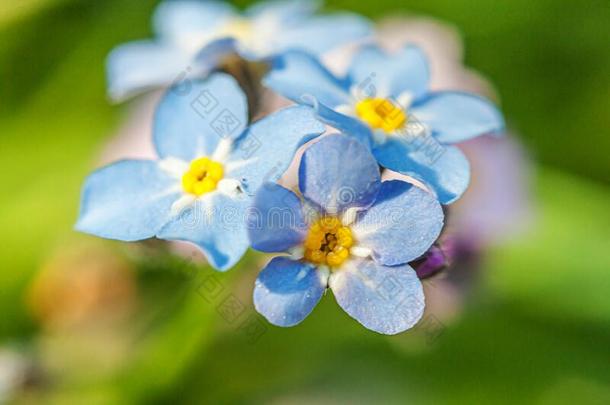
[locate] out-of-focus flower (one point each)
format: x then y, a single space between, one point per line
132 139
81 287
210 164
16 371
385 99
352 233
193 37
440 42
493 212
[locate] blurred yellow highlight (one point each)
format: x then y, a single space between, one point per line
238 28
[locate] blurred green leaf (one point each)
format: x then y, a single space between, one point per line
47 148
14 11
495 354
560 267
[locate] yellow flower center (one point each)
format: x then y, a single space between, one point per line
381 113
202 176
328 242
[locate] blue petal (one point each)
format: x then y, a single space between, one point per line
213 53
283 11
182 20
286 291
300 77
379 74
344 123
455 117
443 168
387 300
275 220
267 148
337 173
402 224
128 200
190 121
216 224
143 65
320 34
296 75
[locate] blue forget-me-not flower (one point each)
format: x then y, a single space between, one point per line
385 99
346 230
193 36
210 165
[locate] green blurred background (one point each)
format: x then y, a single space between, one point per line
535 328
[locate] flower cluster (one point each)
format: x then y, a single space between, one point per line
215 181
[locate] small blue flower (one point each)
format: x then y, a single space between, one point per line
346 231
385 99
193 36
210 165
